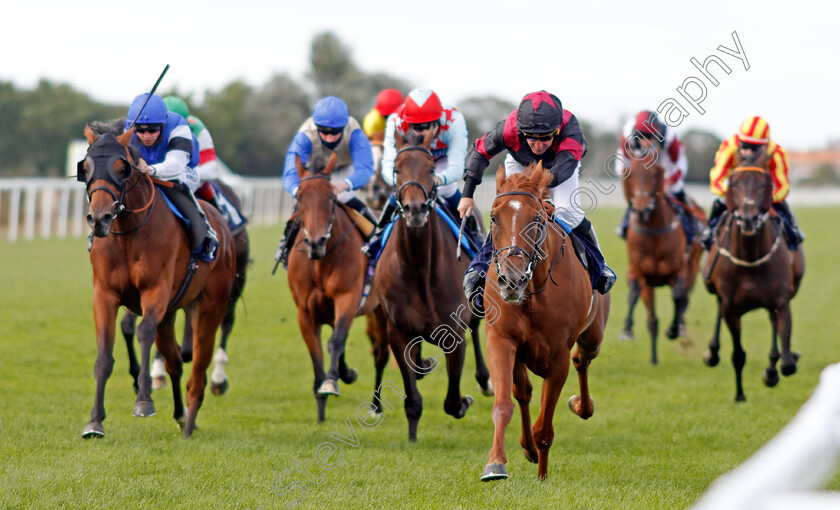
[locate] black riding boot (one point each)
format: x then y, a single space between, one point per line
211 240
707 237
793 235
607 278
362 208
374 245
621 229
288 240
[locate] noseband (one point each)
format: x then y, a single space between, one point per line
537 253
428 197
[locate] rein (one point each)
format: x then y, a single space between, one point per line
428 197
332 218
759 261
149 205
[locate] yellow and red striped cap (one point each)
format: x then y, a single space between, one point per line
754 130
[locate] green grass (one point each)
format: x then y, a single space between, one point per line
660 434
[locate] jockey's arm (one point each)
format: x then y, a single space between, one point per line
300 146
389 151
362 155
178 152
456 153
724 159
779 174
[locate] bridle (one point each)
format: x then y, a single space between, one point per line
428 197
333 200
536 254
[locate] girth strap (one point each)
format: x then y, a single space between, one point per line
192 267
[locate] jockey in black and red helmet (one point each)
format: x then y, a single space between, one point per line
539 130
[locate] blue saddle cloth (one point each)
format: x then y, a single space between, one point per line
236 220
453 227
198 252
593 260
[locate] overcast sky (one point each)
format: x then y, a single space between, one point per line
604 60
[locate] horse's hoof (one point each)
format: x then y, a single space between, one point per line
186 356
426 365
626 335
219 388
350 377
531 456
488 391
788 369
740 398
158 383
144 409
329 387
672 333
466 402
93 429
182 420
711 360
770 378
494 471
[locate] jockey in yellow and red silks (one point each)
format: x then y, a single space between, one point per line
753 136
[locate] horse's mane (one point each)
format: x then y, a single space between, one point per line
114 127
527 182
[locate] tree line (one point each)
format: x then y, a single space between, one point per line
253 126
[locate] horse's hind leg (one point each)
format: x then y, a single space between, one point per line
482 375
587 348
784 324
771 375
652 322
168 348
711 357
127 325
205 321
187 339
522 391
679 293
105 306
632 299
456 405
218 379
377 330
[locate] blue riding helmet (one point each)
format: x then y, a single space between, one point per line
154 112
331 112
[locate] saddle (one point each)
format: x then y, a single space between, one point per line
363 225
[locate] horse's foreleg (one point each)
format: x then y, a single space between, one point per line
522 391
739 356
632 298
167 347
679 293
543 427
406 354
455 405
652 322
482 375
153 312
771 375
711 357
784 326
218 379
501 357
127 325
345 311
311 333
377 330
105 306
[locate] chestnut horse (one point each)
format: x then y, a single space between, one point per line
547 305
147 267
749 267
218 379
327 279
418 279
658 249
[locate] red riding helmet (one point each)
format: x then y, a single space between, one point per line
421 105
388 101
649 123
540 113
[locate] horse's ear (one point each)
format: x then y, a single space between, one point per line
328 170
89 134
398 138
299 165
125 138
500 178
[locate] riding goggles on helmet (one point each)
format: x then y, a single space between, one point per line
538 136
326 131
147 128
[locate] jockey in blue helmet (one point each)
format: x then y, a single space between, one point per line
330 130
169 152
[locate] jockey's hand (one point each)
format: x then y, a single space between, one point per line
438 181
465 206
340 187
144 167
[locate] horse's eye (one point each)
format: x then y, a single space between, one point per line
492 219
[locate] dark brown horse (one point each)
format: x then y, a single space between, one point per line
657 246
418 280
327 278
750 267
141 260
218 379
546 304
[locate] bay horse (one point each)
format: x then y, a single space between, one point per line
418 281
750 267
219 383
547 305
327 279
657 246
141 260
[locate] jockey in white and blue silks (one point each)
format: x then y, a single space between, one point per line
329 131
422 111
169 151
